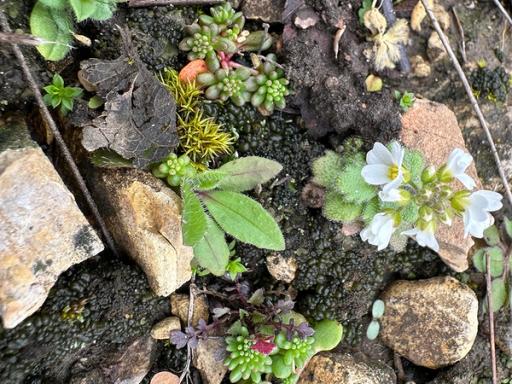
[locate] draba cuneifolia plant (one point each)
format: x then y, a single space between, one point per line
220 37
213 205
57 95
397 195
52 20
265 339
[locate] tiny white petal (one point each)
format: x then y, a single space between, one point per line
390 196
375 174
379 155
466 180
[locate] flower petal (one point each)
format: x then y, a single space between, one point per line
379 155
398 153
375 174
466 180
390 196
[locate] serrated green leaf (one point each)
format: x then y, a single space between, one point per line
244 219
194 221
352 185
83 9
499 294
104 10
328 334
337 209
492 235
53 25
327 168
212 252
496 257
508 226
208 180
370 210
246 173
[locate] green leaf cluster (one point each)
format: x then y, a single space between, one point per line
59 96
52 21
348 197
214 205
495 251
217 39
406 100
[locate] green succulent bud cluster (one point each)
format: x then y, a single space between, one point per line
204 40
270 86
295 352
217 38
243 361
225 84
174 169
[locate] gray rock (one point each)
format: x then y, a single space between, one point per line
129 364
433 323
144 216
43 232
282 268
336 368
208 359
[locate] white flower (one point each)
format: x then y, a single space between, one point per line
379 231
476 216
384 167
457 163
395 196
424 237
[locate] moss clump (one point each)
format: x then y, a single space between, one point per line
492 84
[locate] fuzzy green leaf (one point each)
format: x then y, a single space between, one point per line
328 334
496 258
53 25
59 4
337 209
508 226
193 218
83 9
352 185
410 213
327 168
246 173
499 294
414 163
104 10
492 236
208 180
370 210
244 219
212 252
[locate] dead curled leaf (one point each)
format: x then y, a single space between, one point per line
139 120
165 377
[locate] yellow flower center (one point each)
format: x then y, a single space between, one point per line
393 173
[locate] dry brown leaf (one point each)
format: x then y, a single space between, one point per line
165 378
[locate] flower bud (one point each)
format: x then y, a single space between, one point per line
426 213
444 174
429 174
446 216
446 191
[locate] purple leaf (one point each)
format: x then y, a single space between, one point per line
285 306
179 339
201 326
304 330
219 312
192 342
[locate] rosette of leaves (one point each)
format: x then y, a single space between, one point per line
245 361
270 86
224 16
214 205
204 40
295 351
227 84
498 252
52 21
59 96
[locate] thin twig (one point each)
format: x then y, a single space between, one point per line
149 3
503 11
461 33
185 375
58 137
491 317
474 102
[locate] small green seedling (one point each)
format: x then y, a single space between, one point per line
496 251
374 327
406 100
366 5
60 96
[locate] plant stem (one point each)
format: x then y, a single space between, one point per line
474 102
503 11
58 138
192 288
491 317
